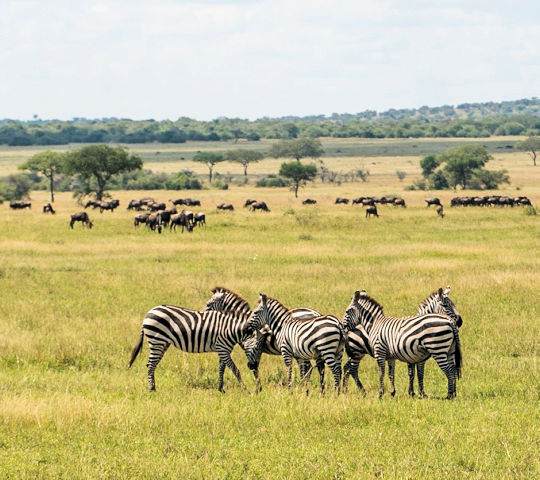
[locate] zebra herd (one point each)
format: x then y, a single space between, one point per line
304 334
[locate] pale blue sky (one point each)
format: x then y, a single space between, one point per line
204 59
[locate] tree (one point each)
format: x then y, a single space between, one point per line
429 163
483 179
461 162
244 157
99 163
210 158
297 148
297 174
530 145
47 163
401 175
15 186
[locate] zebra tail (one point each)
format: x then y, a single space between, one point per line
457 353
136 349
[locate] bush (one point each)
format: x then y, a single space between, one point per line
530 210
272 181
438 181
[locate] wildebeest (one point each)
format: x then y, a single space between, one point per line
109 205
249 201
372 210
166 215
432 201
440 211
92 203
140 218
153 222
182 220
135 205
19 205
342 200
358 200
48 208
81 217
192 202
199 218
309 201
154 207
259 206
399 202
225 206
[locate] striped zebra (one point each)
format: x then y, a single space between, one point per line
358 346
302 339
261 341
410 339
192 332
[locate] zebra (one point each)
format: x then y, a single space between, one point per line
193 332
358 345
261 341
302 339
410 339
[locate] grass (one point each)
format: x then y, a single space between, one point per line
73 302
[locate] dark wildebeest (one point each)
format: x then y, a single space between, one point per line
178 201
153 222
110 205
309 201
192 202
81 217
358 200
342 200
440 211
387 200
522 200
154 207
372 210
432 201
368 201
225 206
19 205
181 219
399 202
92 203
135 205
141 218
48 208
166 215
199 218
259 206
249 201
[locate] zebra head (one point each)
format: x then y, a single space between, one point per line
253 347
440 302
362 309
216 302
258 317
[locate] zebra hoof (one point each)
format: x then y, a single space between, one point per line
393 394
362 392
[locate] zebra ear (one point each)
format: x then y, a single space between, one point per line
357 295
440 293
262 298
214 290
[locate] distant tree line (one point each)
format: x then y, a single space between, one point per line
520 117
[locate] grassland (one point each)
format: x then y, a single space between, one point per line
73 302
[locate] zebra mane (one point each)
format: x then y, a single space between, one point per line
228 290
274 302
366 301
429 298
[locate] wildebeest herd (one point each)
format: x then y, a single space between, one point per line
304 334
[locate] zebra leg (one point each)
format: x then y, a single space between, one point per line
288 363
305 372
320 367
380 364
335 366
351 368
410 371
226 360
446 364
346 373
420 367
157 350
391 375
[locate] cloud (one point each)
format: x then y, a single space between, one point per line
165 58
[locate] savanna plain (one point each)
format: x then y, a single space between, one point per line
72 304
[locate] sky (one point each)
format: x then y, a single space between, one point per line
164 59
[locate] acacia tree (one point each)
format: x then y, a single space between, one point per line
47 163
462 162
210 159
99 163
244 157
297 148
530 145
297 174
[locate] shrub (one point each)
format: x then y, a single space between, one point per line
272 181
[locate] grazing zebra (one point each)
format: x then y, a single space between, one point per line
192 332
358 345
261 341
410 339
302 339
